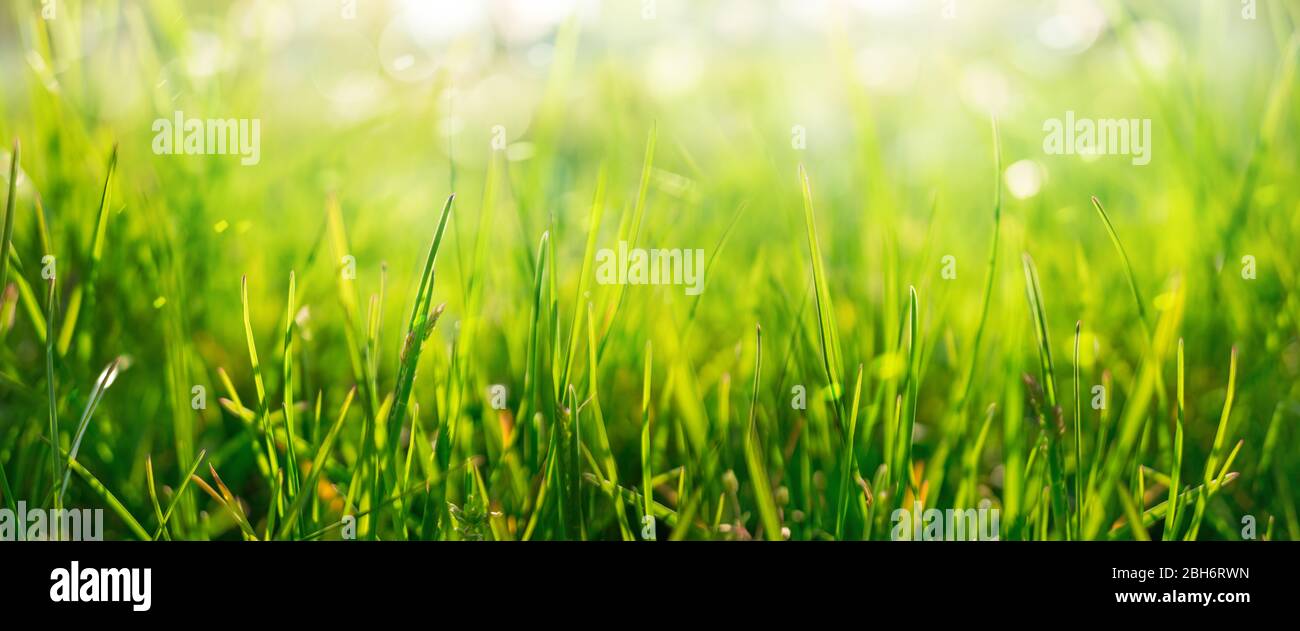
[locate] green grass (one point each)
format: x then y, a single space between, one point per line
830 373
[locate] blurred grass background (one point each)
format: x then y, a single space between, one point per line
686 114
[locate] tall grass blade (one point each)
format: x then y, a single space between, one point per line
7 233
827 329
755 459
105 380
1175 473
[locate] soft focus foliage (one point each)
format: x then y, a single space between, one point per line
685 123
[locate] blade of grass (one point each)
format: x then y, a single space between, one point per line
647 491
1175 473
317 466
913 376
1157 512
153 494
589 255
602 437
1216 451
108 498
50 297
8 230
1128 267
185 483
291 455
1078 437
533 365
105 380
1048 412
96 256
847 462
827 329
423 318
989 274
754 454
263 417
227 501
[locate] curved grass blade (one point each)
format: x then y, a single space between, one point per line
227 501
106 378
1128 267
108 498
263 420
754 454
96 255
185 484
989 274
589 255
1157 512
153 494
631 230
827 330
1035 295
8 230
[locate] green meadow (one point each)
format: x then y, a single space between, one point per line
318 270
